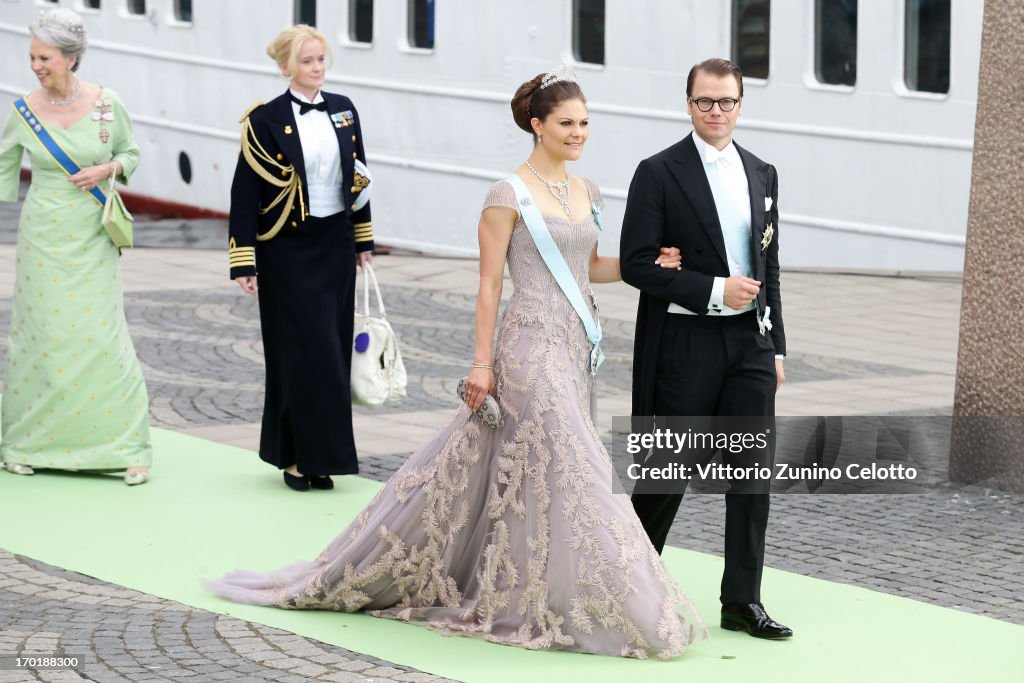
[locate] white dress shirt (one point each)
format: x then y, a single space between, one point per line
322 158
733 176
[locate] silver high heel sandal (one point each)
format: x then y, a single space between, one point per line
18 468
135 478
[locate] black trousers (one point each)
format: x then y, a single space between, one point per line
307 300
715 366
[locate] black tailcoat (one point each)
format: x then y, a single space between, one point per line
671 204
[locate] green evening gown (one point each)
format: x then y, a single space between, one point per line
74 397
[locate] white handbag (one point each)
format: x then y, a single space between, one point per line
378 374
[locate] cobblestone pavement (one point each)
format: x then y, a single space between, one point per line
121 634
199 344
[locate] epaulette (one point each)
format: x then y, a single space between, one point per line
250 110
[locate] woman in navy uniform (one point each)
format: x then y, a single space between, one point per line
300 219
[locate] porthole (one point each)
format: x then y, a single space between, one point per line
185 167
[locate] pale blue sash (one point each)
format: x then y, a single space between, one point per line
556 264
62 158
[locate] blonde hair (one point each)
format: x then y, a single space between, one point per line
284 49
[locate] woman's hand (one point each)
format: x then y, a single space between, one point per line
365 258
669 257
480 383
91 176
247 283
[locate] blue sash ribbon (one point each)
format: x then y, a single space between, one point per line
556 264
50 145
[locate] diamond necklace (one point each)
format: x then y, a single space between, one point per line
68 101
560 189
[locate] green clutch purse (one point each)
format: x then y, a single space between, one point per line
116 219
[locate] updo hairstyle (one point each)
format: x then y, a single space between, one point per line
63 29
284 49
531 101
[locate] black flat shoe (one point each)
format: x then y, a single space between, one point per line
296 483
754 620
322 483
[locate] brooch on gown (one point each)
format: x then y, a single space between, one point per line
103 113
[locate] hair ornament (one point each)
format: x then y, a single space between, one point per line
48 18
562 72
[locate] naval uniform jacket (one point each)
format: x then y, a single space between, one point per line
273 126
671 204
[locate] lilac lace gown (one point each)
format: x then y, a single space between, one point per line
512 535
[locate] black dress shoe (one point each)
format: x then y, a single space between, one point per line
322 483
296 483
754 620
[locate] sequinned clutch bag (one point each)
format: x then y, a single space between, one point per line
489 413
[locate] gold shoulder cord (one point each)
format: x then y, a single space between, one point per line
256 156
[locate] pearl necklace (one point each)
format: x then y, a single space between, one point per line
560 189
68 101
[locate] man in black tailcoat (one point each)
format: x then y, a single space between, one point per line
709 337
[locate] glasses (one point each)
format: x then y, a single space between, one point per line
706 103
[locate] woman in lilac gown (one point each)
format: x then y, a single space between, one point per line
512 534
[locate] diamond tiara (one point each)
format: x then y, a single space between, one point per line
562 72
49 19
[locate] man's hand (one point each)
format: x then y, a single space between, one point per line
780 374
740 291
247 283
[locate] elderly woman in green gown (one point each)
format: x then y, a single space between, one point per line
74 397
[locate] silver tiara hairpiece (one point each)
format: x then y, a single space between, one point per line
562 72
48 19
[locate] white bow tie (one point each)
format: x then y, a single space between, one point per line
713 156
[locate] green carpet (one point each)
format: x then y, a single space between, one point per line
211 508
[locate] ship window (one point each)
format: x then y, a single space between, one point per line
185 167
136 6
360 21
305 12
91 4
835 41
588 31
421 24
183 10
926 56
750 23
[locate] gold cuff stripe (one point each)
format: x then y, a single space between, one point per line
366 237
368 224
240 264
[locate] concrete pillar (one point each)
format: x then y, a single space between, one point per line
988 434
